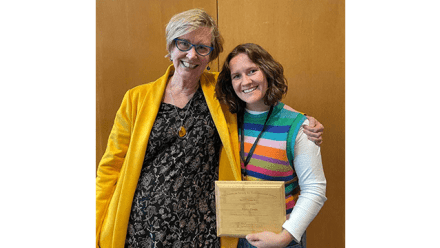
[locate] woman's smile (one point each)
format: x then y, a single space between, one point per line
249 82
188 65
250 90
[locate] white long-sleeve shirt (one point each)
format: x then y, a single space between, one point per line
312 182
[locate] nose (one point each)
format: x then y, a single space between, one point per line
246 80
191 53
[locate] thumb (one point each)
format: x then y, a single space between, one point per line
252 237
312 121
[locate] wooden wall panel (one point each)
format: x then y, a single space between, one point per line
130 50
307 38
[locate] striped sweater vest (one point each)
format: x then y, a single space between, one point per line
272 159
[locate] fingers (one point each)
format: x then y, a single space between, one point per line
318 142
317 128
314 130
312 121
314 137
252 237
257 239
269 239
312 133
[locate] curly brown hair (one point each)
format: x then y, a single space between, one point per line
273 71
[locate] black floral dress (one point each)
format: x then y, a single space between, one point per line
174 202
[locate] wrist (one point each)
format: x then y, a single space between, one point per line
286 237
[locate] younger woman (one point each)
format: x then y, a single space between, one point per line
273 144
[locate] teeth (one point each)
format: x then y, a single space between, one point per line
250 90
188 65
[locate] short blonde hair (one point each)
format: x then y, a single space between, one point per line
188 21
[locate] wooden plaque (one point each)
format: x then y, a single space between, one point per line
244 207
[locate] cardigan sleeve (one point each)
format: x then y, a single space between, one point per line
112 160
312 183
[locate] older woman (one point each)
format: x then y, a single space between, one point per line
273 143
155 183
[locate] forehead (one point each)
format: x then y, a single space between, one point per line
241 62
199 36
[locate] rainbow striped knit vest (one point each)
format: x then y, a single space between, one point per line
272 159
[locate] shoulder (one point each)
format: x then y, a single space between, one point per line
288 112
156 86
141 91
288 108
142 88
146 92
208 80
209 77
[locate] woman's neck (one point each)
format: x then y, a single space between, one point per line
179 93
181 87
258 107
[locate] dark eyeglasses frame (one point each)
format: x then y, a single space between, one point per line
192 45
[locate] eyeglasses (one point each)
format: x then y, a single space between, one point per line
184 45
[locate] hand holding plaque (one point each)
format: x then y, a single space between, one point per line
245 207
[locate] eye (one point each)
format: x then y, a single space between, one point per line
184 44
235 76
252 71
202 49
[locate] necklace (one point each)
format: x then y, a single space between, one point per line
182 130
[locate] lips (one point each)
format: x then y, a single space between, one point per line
250 90
188 65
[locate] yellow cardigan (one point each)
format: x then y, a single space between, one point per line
120 167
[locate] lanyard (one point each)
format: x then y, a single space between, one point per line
246 161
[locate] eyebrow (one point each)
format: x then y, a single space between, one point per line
247 69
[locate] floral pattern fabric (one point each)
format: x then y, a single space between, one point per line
174 202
